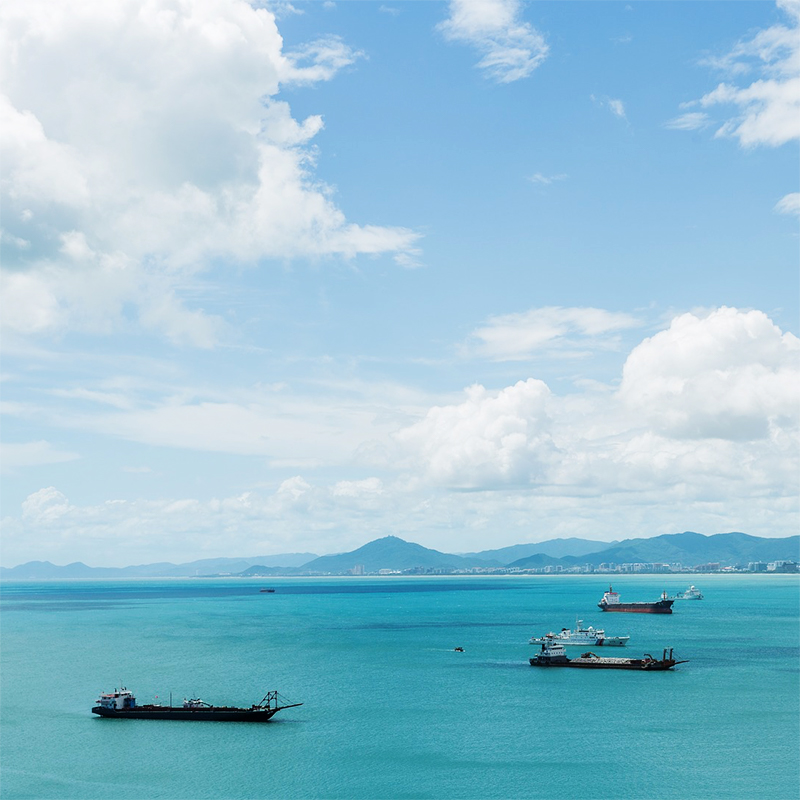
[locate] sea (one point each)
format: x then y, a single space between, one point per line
390 708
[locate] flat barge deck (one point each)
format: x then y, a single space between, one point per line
554 655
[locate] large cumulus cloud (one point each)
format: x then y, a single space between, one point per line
728 375
489 439
143 140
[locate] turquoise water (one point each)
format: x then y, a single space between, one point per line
390 710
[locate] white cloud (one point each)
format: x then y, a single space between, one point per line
546 180
141 143
615 106
46 506
701 434
789 204
710 402
731 375
768 108
512 49
15 455
520 336
489 439
317 61
691 121
366 487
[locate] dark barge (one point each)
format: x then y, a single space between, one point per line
121 704
554 655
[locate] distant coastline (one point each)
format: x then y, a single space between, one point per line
687 553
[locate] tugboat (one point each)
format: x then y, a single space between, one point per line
610 602
690 594
594 637
121 704
554 655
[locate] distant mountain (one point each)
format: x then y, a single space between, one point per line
552 547
692 549
390 553
234 566
259 569
536 561
36 570
688 548
43 570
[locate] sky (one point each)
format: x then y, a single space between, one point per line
289 277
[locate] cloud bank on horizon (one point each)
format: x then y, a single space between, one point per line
212 345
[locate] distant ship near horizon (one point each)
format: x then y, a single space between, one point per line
691 593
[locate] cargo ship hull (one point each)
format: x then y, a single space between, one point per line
204 714
121 704
611 602
554 655
609 663
661 607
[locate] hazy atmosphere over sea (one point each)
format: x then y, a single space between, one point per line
289 277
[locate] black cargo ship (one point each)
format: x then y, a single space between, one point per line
611 602
121 704
554 655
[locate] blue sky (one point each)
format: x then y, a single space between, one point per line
289 277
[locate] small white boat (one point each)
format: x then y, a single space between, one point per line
690 594
595 637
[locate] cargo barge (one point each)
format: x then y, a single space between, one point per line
121 704
611 602
554 655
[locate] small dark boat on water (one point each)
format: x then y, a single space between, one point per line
121 704
268 591
554 655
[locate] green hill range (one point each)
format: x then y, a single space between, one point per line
391 553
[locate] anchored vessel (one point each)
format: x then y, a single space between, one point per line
121 704
595 637
690 594
611 602
554 655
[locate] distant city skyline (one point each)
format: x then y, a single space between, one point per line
291 277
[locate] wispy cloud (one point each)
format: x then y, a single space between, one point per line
16 456
615 106
691 121
789 204
512 48
514 337
546 180
768 108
